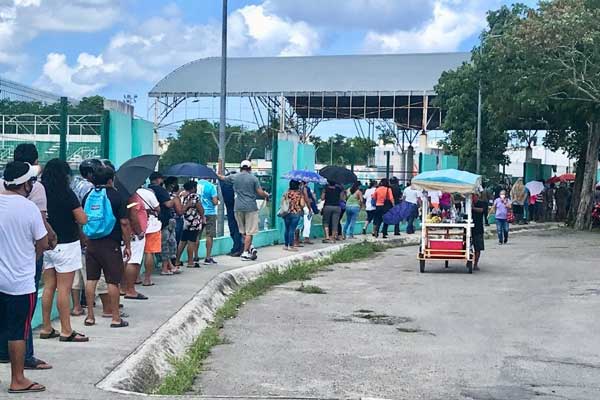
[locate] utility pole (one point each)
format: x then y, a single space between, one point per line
223 114
64 121
478 168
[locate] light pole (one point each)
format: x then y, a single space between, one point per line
223 113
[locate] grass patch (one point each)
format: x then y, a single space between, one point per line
310 289
189 366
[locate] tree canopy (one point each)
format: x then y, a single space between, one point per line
86 106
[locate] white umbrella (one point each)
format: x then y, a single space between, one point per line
535 187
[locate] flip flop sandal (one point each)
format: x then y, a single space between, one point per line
166 273
176 272
138 282
122 315
53 334
138 297
79 314
151 284
29 389
75 337
122 324
89 322
36 364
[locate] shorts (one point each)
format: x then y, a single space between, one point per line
247 222
64 258
153 243
168 244
189 236
210 229
16 312
104 255
137 250
478 242
81 278
370 215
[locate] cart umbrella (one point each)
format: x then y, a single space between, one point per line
448 180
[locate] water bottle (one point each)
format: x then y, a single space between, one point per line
266 224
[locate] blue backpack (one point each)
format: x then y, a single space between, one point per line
101 219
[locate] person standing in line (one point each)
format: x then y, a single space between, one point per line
397 193
354 203
502 204
477 232
65 215
247 188
193 217
209 199
412 197
369 205
169 207
562 195
24 238
152 246
331 195
104 254
295 198
540 206
446 201
549 202
517 194
234 232
309 210
138 218
27 153
384 200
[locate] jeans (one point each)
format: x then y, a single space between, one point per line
414 212
379 212
29 358
291 223
351 216
234 232
502 228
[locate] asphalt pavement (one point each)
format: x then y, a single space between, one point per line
525 327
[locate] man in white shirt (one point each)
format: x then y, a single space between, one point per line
23 238
152 245
413 197
369 206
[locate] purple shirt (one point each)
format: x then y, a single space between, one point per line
501 210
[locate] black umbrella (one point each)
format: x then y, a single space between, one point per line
191 170
134 173
339 175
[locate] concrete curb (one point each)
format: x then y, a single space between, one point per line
149 363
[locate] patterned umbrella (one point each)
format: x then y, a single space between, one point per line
302 175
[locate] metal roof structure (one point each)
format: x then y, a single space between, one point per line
14 91
394 87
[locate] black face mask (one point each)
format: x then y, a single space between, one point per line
28 188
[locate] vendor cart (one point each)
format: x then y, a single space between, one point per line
447 236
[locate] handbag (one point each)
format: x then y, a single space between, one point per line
387 204
284 206
510 216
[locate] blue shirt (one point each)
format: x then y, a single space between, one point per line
207 191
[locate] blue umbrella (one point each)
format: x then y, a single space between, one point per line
191 170
302 175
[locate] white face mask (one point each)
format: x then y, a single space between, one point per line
502 196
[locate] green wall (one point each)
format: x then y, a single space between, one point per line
427 162
449 162
142 137
120 137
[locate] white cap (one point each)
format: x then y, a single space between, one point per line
32 172
246 164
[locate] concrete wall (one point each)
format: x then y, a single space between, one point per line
142 137
120 137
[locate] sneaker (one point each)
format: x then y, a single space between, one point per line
246 256
210 261
253 250
236 254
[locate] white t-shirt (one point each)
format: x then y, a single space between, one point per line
21 225
411 195
150 202
435 196
368 196
37 195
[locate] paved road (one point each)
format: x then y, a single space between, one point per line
524 327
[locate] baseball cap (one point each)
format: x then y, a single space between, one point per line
246 164
17 173
155 175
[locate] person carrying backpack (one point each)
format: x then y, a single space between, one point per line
108 225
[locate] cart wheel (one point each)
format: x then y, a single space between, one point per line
446 263
470 266
422 266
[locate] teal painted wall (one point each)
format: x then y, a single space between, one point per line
142 137
119 138
306 157
427 162
449 162
285 163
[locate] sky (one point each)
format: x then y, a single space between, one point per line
116 47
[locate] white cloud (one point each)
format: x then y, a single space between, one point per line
380 15
162 44
453 21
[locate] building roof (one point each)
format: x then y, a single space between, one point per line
362 75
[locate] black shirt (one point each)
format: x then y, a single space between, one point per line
478 216
60 215
332 195
163 196
118 203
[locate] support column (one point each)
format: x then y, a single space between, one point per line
410 162
62 154
403 166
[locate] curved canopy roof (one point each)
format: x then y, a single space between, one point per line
362 75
